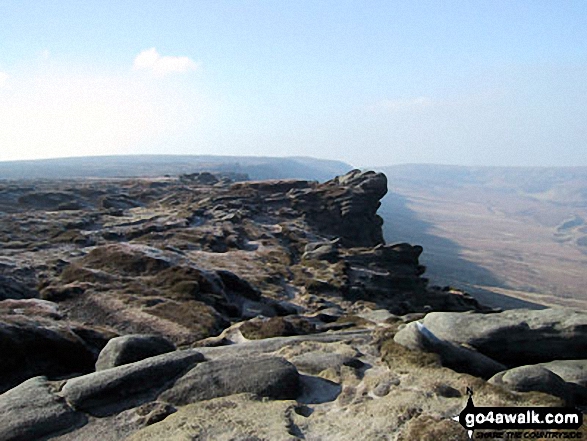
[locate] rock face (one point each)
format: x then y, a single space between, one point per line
346 207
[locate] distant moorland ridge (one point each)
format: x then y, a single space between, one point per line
256 167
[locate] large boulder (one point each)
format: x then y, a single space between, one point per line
516 337
130 348
113 390
33 410
533 379
417 337
572 371
271 377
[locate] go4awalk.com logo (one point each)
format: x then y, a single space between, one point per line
505 422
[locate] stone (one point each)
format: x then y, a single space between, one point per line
321 251
271 377
33 410
11 288
131 348
532 379
237 285
516 337
113 390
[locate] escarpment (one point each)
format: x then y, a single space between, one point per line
134 305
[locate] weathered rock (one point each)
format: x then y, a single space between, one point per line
533 378
112 390
322 251
41 346
33 410
271 377
316 362
131 348
118 202
30 308
572 371
235 284
276 327
11 288
46 200
516 337
416 336
345 207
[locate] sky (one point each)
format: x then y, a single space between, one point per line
366 82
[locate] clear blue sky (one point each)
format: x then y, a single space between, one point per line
367 82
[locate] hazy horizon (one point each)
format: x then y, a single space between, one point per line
475 84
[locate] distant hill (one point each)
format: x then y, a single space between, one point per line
516 231
157 165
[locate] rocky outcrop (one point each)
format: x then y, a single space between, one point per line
345 207
255 282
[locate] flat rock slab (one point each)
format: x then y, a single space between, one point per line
113 390
271 377
32 410
516 337
130 348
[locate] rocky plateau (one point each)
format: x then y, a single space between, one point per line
207 307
